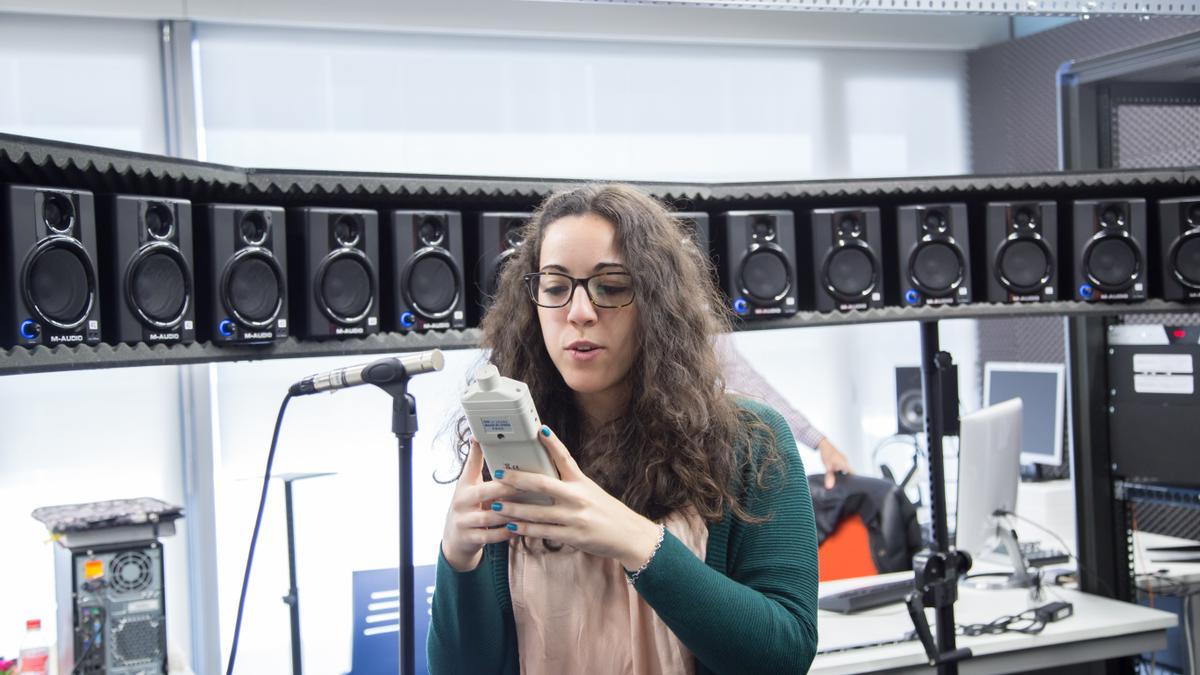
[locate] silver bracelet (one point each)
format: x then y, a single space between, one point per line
632 577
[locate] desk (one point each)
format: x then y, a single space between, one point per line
1100 629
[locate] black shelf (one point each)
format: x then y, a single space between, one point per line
971 311
59 164
50 359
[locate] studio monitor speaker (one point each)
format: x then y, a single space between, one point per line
847 258
334 257
241 271
51 291
1179 246
500 237
427 286
758 262
1022 245
1110 249
148 290
934 254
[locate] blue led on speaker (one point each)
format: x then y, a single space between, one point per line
1086 291
912 297
29 329
407 319
225 328
741 306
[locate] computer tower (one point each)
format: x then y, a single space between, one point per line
847 258
147 287
934 254
112 617
1109 248
334 272
1179 248
426 284
50 267
241 273
757 262
1022 250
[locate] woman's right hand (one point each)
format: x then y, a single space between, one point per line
471 523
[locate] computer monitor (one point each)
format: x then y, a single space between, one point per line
989 468
1041 387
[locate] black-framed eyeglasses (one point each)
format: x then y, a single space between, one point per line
610 290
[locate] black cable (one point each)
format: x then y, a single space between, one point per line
87 651
1066 549
1006 624
262 503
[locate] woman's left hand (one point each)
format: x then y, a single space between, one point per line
583 514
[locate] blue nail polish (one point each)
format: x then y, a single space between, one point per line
496 506
512 526
545 430
498 473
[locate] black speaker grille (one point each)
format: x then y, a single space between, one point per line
137 642
765 275
252 291
1187 261
346 287
158 284
851 272
936 267
1111 262
60 284
432 285
1023 264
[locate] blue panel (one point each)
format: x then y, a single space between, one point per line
375 647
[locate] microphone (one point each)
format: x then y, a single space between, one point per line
382 371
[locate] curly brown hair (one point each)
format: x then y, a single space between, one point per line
683 441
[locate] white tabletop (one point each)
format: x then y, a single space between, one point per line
1100 628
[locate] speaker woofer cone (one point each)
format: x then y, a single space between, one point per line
1185 259
493 284
60 282
1024 264
936 268
911 411
158 285
252 287
851 273
344 286
1112 262
431 283
764 275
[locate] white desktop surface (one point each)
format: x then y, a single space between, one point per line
1100 628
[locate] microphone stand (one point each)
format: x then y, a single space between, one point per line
404 425
937 569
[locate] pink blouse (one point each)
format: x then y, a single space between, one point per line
576 613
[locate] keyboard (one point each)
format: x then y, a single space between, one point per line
867 597
1037 556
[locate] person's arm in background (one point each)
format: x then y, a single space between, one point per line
742 378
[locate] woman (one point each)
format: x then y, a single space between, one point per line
681 538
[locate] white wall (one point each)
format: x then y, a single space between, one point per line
76 437
519 107
90 81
